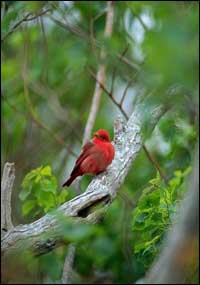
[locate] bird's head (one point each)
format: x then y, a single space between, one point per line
102 135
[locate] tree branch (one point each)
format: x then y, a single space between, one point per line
6 191
44 234
119 105
108 93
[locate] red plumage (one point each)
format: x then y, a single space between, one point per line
96 155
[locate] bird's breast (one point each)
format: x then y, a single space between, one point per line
99 159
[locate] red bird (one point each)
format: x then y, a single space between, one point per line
96 155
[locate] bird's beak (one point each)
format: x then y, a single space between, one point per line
96 135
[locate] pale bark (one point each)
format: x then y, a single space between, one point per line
6 191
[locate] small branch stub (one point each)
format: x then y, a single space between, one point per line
67 269
6 191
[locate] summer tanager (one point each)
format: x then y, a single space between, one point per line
96 155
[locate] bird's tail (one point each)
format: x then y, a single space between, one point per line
76 172
69 181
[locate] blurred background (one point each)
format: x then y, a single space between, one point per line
48 51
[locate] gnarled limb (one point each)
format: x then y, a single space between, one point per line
44 234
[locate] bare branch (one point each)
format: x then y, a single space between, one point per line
44 234
125 91
6 191
45 50
127 61
108 93
67 268
73 29
100 76
138 17
115 70
26 18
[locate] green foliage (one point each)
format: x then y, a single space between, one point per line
154 214
39 192
61 89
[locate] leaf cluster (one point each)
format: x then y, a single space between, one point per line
39 192
154 214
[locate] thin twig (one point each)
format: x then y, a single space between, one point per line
125 91
45 50
128 62
115 69
113 80
25 19
154 162
127 200
138 17
13 107
92 35
108 93
73 29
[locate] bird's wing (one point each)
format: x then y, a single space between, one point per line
87 149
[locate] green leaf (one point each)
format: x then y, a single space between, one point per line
28 206
25 192
62 197
46 200
49 185
178 173
187 171
140 218
31 176
175 181
46 171
38 178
